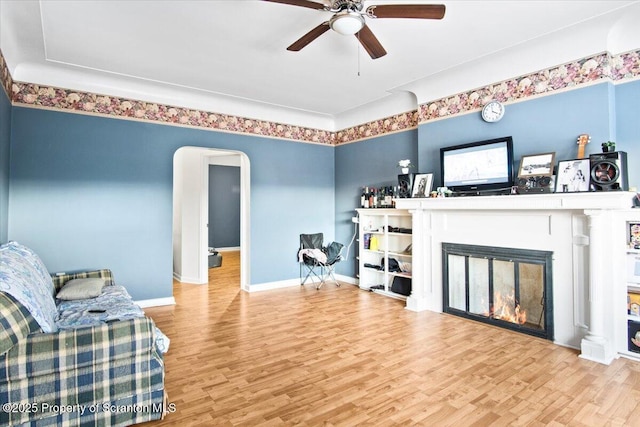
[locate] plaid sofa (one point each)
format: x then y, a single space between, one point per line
111 374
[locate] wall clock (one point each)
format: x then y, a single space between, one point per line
492 111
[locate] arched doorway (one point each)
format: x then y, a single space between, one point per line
190 211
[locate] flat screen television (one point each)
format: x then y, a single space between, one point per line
478 166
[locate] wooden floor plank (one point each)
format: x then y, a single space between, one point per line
340 356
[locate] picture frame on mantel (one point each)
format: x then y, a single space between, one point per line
573 176
422 184
537 165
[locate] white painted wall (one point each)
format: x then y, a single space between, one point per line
188 203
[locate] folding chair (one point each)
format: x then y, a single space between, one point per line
317 261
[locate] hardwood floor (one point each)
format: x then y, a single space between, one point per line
341 356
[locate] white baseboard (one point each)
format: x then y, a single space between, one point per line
274 285
189 280
156 302
229 249
347 279
295 282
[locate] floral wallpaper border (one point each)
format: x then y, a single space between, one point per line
567 76
5 75
105 105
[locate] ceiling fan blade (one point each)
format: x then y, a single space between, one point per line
309 37
370 43
301 3
421 11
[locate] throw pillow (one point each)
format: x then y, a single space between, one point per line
81 289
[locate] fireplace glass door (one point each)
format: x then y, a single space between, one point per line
503 286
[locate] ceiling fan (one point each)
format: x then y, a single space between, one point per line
349 19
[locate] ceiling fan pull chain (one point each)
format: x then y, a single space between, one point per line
358 46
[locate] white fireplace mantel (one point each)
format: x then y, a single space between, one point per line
556 201
585 232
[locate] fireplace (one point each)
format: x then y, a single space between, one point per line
583 232
506 287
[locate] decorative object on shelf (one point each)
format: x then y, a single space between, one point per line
405 165
573 176
443 192
422 185
583 140
493 111
608 147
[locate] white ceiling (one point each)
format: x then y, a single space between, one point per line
230 56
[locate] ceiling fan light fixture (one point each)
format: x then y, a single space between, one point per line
347 22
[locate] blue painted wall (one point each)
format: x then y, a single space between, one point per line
5 140
90 192
372 162
547 124
628 127
224 206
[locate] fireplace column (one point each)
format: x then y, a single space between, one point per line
421 250
594 345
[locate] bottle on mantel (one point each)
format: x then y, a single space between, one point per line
393 196
387 197
382 197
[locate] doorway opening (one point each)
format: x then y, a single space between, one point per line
191 212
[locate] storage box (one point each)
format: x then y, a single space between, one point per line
634 336
215 260
633 303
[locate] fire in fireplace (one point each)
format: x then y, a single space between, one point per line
507 287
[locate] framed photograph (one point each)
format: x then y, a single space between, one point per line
633 303
573 176
634 235
422 185
537 165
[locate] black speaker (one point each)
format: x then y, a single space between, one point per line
609 171
535 184
405 182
